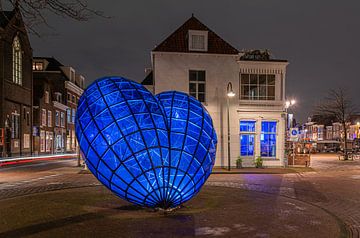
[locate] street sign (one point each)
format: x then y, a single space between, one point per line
294 134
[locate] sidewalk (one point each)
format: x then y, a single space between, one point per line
277 170
26 159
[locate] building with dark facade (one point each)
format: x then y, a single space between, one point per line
57 89
15 86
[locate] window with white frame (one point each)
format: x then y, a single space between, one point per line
257 86
62 119
43 117
198 40
197 84
247 137
268 139
49 118
17 61
57 118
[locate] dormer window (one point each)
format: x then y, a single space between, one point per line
38 66
198 40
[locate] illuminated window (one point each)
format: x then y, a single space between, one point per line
247 138
38 66
197 83
17 61
268 139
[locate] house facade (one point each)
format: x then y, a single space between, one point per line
15 86
195 60
57 90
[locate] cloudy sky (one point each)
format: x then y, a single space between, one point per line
321 39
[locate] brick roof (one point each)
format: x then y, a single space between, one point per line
178 41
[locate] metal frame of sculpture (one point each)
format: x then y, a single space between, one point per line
153 151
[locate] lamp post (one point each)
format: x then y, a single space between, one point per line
230 93
288 104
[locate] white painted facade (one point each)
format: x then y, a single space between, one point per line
171 72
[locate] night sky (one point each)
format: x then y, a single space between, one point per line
321 39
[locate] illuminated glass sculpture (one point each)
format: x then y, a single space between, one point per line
154 151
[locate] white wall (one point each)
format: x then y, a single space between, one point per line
171 72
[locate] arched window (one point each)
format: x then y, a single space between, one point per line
17 61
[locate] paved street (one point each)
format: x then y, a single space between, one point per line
328 195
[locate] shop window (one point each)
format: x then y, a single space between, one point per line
268 139
247 138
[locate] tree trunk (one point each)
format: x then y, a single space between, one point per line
345 143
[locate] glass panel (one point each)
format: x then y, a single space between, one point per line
262 91
271 79
262 79
245 79
245 91
268 139
192 75
253 79
201 87
201 75
247 126
253 92
201 97
247 145
192 87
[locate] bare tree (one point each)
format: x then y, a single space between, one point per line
35 12
337 105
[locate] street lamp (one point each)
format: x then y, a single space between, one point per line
230 94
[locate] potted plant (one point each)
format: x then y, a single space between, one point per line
258 162
239 163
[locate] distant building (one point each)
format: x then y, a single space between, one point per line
57 89
15 86
195 60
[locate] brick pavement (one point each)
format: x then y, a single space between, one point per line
332 186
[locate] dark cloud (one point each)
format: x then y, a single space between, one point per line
319 38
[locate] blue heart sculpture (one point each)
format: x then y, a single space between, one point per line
153 151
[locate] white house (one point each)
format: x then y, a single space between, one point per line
197 61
